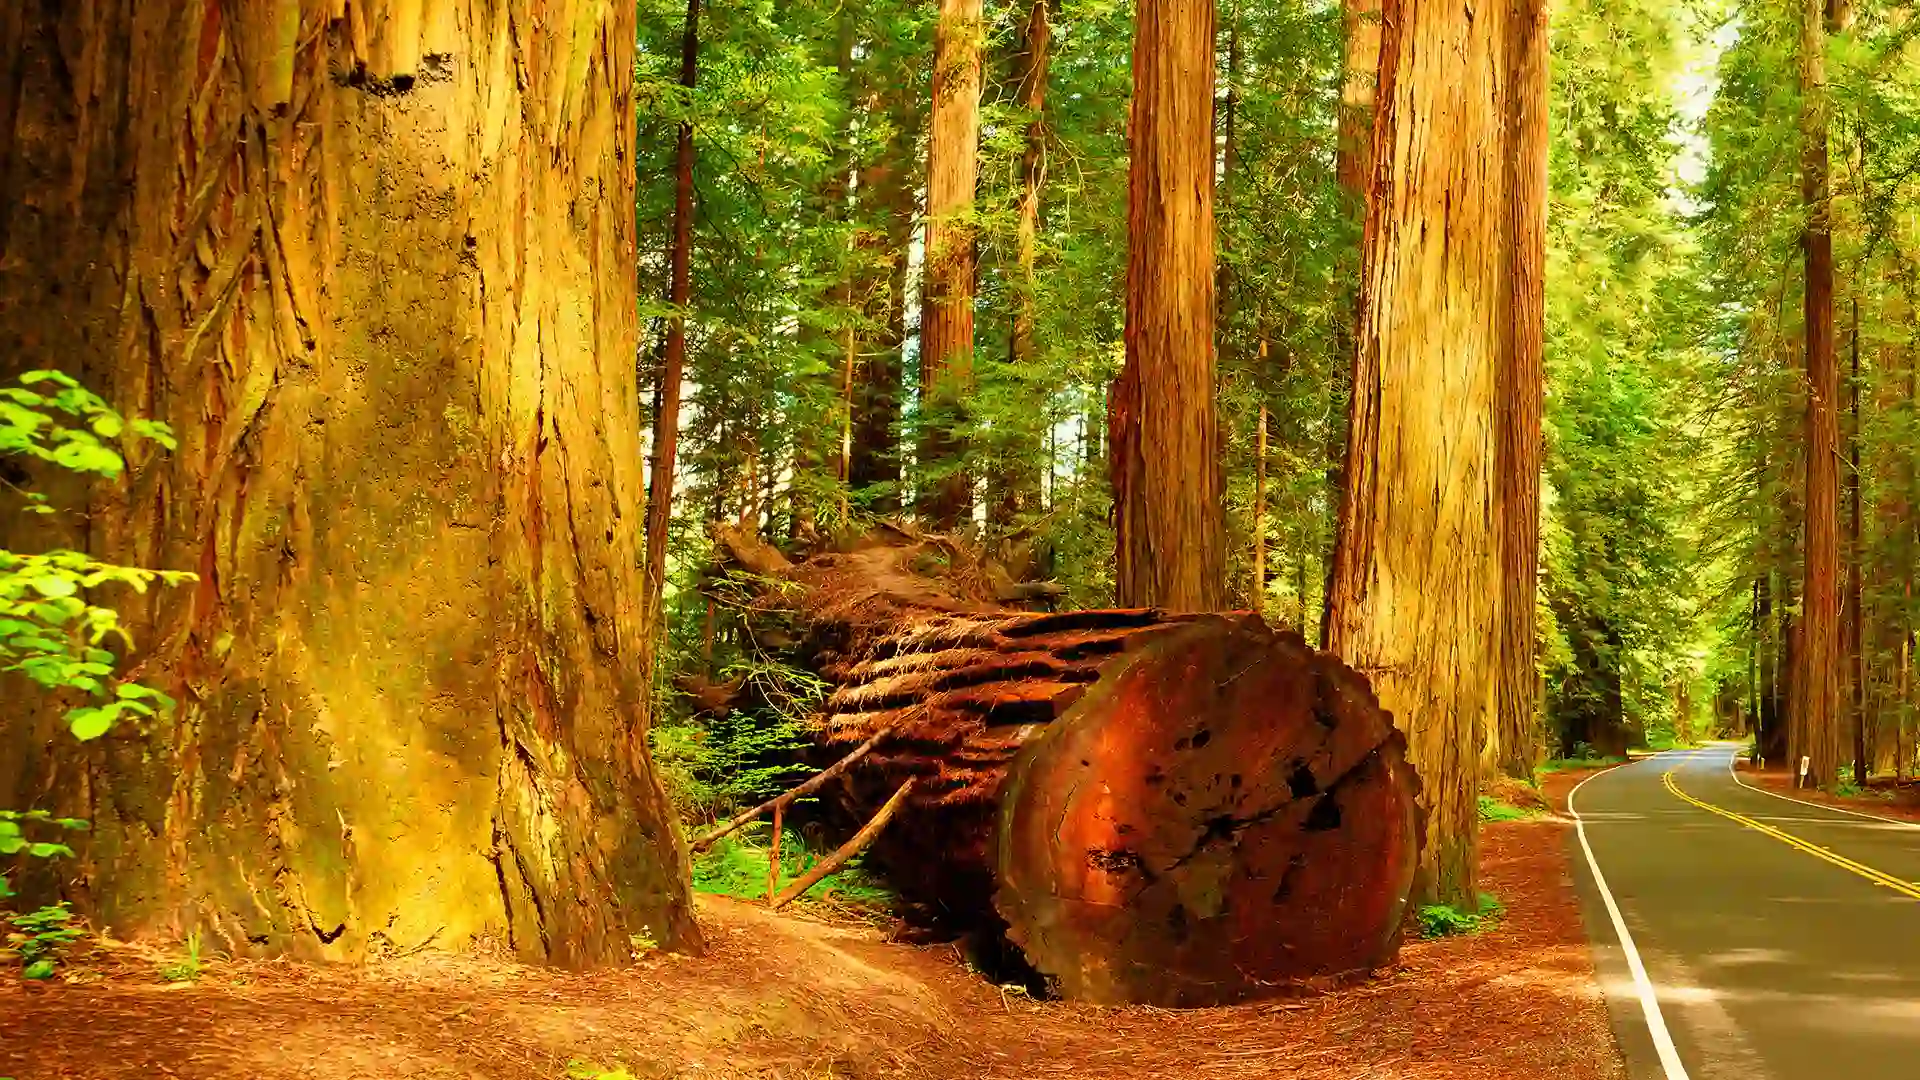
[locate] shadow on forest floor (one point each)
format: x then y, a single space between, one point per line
793 997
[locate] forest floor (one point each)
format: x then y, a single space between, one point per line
804 997
1882 796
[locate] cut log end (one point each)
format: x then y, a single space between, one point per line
1223 813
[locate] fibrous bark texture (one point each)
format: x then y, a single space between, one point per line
372 260
946 321
1513 742
1416 592
1175 810
1164 448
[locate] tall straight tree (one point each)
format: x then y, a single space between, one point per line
1416 587
379 279
666 414
946 321
1353 168
1164 434
1815 677
1513 735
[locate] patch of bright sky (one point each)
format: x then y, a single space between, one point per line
1693 91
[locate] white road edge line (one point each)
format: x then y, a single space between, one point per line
1643 986
1733 758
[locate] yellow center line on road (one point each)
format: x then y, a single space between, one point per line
1905 888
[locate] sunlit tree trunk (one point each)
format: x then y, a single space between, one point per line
946 321
373 260
1353 169
1259 590
1164 435
1416 589
1514 739
1818 656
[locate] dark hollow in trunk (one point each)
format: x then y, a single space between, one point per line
1171 810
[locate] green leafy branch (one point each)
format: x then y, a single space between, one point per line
52 636
49 631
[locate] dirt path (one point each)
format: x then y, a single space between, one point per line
789 998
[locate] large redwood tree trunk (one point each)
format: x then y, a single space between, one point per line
1513 741
1164 453
946 321
1816 675
1416 588
375 266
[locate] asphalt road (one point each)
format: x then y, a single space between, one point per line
1762 960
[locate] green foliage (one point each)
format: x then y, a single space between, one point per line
1446 920
1659 740
51 633
1492 809
14 841
715 765
39 938
1584 758
737 866
50 417
187 968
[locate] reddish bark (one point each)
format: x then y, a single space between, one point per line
1164 448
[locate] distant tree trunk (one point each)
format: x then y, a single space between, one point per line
666 416
1017 479
1856 594
1416 589
1164 435
946 321
1515 729
1259 590
1773 734
1353 168
380 282
887 203
1818 657
1753 661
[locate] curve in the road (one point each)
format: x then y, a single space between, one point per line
1753 960
1735 773
1876 876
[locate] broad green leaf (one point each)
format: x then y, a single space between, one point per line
90 722
54 585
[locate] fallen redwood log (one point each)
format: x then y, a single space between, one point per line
1177 810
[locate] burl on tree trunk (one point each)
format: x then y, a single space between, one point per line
1176 810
